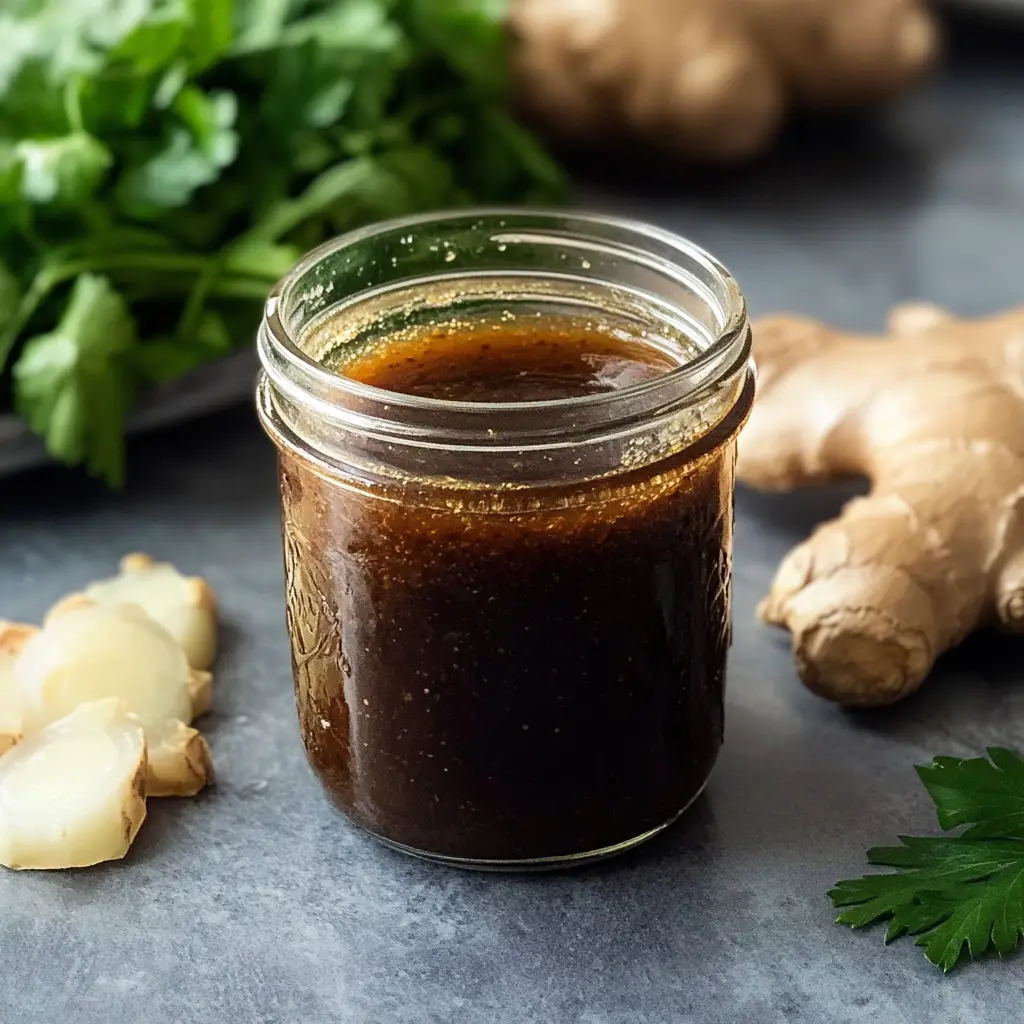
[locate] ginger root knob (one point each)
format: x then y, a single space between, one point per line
933 416
709 79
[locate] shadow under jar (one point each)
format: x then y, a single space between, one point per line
506 445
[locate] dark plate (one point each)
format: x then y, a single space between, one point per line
208 389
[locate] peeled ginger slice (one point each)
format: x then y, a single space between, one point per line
74 794
93 651
10 713
13 637
184 605
200 692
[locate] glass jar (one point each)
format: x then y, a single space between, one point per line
509 620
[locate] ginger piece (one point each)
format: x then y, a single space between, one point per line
200 692
74 794
933 415
89 651
179 760
833 54
13 637
185 606
710 79
682 74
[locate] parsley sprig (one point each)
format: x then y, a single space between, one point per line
163 162
954 892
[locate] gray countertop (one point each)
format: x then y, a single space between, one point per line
258 903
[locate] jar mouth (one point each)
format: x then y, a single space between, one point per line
577 239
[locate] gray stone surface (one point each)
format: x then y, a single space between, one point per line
257 904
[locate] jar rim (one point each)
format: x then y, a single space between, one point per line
285 362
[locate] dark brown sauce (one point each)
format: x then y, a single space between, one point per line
505 365
512 685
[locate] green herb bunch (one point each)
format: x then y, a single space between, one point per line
163 162
967 890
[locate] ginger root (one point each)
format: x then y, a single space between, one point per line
684 74
87 652
13 637
710 79
835 54
185 606
74 794
179 760
933 415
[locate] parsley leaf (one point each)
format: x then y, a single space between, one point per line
64 170
987 794
954 892
72 385
163 163
197 148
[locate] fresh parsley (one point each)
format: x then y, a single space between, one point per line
967 890
163 162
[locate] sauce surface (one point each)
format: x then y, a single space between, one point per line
493 683
502 364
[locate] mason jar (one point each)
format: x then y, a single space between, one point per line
509 610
